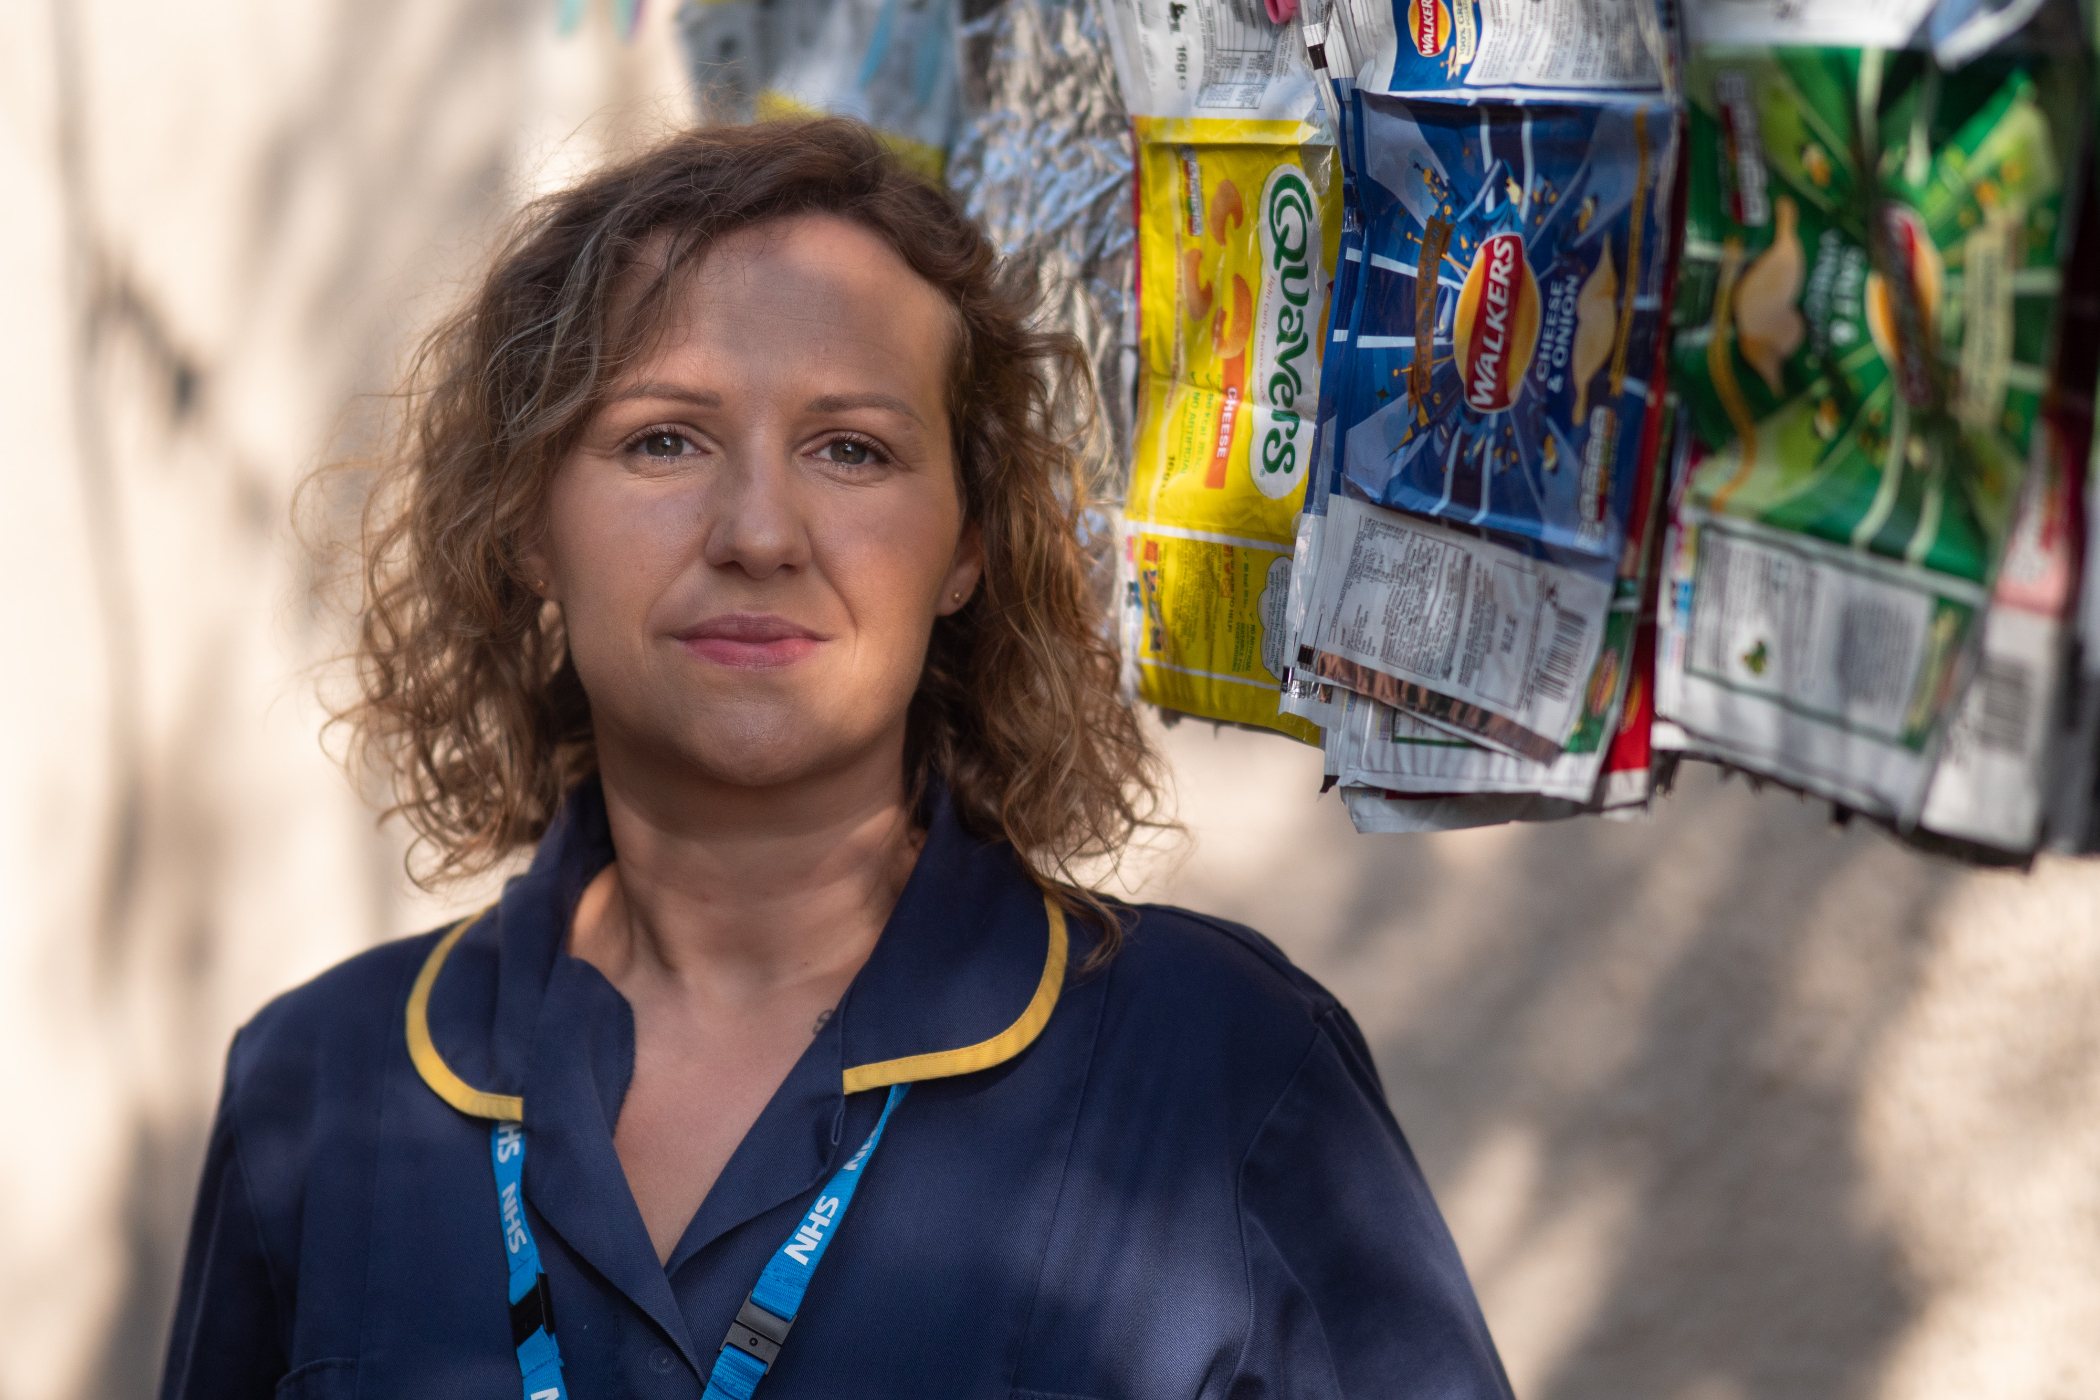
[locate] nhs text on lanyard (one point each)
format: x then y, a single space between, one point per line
761 1325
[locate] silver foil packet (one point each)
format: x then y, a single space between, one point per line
1043 162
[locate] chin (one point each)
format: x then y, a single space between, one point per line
753 730
768 746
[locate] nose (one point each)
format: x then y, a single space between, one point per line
755 522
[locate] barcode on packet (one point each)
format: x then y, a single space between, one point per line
2005 700
1558 673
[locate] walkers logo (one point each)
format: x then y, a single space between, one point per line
1286 352
1429 25
1497 328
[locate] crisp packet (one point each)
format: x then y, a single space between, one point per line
1867 355
1401 752
1304 693
1868 310
1210 58
1991 785
1628 781
1476 637
1043 164
1237 230
1957 31
1827 667
891 65
1426 45
1510 310
1884 24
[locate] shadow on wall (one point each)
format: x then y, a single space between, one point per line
156 1211
254 210
1632 1058
1687 1088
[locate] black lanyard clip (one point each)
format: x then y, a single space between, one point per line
758 1333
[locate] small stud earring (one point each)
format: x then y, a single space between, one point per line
956 596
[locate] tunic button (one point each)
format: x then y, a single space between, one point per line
662 1359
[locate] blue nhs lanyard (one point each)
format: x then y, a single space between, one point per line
761 1325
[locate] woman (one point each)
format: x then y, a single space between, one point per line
735 563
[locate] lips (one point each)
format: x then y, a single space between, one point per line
750 641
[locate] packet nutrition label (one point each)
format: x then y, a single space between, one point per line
1473 636
1569 43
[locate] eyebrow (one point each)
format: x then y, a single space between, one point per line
705 398
837 403
828 403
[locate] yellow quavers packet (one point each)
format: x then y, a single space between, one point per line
1238 223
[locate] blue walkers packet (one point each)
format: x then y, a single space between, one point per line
1564 45
1527 245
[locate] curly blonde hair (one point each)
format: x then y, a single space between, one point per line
467 694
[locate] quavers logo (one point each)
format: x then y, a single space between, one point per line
1429 25
1286 350
1497 326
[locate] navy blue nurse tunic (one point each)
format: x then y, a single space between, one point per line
1172 1177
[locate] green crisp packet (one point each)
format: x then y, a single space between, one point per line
1866 311
1868 297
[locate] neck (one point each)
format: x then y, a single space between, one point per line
742 893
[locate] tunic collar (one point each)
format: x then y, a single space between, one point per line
504 1024
966 973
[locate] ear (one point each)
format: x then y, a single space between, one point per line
963 572
539 573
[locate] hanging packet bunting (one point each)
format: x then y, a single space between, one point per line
1890 410
1211 58
1502 46
1633 766
1956 31
2073 823
1043 164
1510 312
1400 753
1628 781
1474 636
1237 229
2017 753
1880 24
1304 694
888 63
1525 246
1868 310
1990 785
1825 667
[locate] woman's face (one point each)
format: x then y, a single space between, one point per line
752 539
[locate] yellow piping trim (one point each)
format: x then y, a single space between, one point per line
507 1108
968 1059
939 1064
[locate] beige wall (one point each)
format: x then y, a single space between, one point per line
1725 1104
1721 1105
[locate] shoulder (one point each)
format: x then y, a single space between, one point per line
1172 952
1214 1006
350 1012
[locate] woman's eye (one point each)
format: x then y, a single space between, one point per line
662 445
848 453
